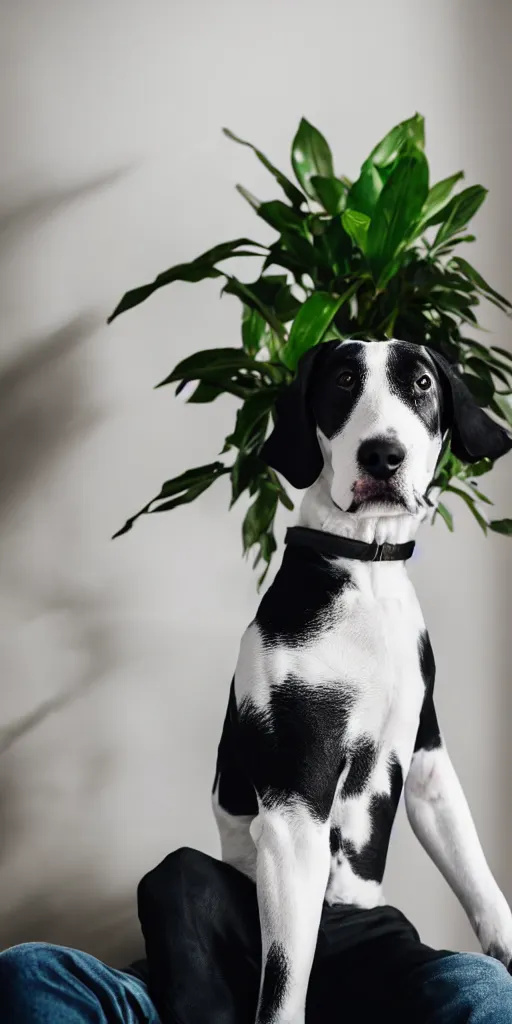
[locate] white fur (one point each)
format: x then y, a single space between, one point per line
441 820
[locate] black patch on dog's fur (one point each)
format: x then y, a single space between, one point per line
331 404
335 841
236 792
296 606
294 746
370 862
361 764
405 364
428 736
275 980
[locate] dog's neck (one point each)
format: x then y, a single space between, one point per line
318 512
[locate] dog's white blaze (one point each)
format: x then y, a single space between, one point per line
380 413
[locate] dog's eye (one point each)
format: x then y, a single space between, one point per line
424 382
346 380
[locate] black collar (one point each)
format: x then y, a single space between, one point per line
331 544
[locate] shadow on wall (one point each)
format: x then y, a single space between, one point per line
47 404
43 403
20 213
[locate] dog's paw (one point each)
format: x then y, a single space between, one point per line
501 954
494 931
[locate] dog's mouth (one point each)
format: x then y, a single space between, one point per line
369 491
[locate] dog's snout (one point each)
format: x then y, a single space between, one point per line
380 457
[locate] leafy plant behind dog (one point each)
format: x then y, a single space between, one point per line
375 258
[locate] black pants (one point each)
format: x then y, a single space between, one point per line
201 926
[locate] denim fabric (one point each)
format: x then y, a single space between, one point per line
44 984
466 988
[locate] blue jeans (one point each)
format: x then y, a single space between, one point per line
43 984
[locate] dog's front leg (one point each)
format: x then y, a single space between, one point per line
441 819
291 875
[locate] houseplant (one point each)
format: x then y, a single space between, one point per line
375 258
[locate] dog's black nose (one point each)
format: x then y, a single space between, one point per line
380 458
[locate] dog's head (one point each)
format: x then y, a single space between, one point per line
372 416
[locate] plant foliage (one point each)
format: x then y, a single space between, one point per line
375 258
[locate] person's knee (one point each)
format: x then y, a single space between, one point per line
19 966
482 982
184 862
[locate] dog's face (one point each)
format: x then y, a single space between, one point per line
377 407
371 416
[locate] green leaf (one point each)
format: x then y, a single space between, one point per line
480 468
184 499
501 526
303 252
254 330
446 515
396 214
330 192
437 199
275 293
311 156
259 517
445 250
205 392
479 494
212 361
248 295
286 305
476 278
247 468
471 505
504 405
502 351
366 190
181 489
249 197
488 371
252 420
459 211
290 190
481 390
356 225
285 499
335 247
196 270
390 147
405 138
268 546
311 323
281 217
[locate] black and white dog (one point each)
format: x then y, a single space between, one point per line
331 706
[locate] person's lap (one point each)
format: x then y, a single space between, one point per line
200 921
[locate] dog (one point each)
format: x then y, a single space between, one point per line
331 707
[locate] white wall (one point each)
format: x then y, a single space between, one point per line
116 657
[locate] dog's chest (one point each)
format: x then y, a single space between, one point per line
358 638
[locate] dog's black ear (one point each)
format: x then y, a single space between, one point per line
474 435
292 448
